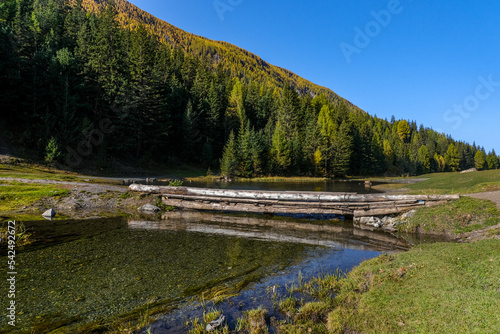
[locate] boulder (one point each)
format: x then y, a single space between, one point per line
149 208
50 213
468 171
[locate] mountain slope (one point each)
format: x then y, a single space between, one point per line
81 85
240 62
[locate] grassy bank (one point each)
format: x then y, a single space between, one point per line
456 183
434 288
16 195
454 218
34 172
437 288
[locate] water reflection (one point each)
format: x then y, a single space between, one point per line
335 233
324 186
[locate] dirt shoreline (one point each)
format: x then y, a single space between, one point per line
90 200
85 200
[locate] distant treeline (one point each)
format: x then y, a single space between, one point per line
78 85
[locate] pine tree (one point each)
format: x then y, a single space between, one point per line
229 160
318 158
191 132
244 144
342 150
424 159
235 117
492 160
479 160
452 158
404 131
440 162
280 149
389 156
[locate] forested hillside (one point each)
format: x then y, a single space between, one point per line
94 82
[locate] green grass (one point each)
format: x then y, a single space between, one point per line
16 195
198 327
254 321
464 215
456 183
436 288
26 171
40 172
433 288
22 235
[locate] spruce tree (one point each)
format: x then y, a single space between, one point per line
479 160
424 159
229 160
280 150
404 131
452 158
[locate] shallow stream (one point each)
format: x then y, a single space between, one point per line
103 273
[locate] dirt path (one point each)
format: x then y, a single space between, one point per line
493 196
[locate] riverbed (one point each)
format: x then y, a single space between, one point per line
99 274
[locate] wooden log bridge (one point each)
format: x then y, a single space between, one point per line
291 202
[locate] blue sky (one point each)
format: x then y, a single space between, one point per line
435 62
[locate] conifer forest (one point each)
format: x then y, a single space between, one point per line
165 96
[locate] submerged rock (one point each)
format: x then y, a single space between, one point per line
149 208
213 325
50 213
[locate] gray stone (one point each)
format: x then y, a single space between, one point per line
468 171
370 221
50 213
408 214
149 208
213 325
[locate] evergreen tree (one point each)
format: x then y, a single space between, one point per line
492 160
404 131
235 117
342 149
424 159
479 160
229 160
280 150
452 158
440 162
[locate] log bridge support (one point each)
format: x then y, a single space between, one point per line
291 202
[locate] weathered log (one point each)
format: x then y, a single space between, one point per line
387 211
245 207
289 202
286 195
260 201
